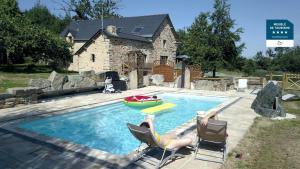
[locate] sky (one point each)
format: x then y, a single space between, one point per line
251 15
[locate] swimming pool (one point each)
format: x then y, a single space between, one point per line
104 127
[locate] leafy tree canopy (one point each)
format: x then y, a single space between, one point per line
211 40
19 38
87 9
40 16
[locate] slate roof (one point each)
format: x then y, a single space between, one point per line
86 29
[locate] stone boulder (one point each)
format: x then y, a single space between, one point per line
44 84
87 82
90 73
73 81
266 103
157 79
57 80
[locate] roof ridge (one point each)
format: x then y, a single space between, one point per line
121 18
146 15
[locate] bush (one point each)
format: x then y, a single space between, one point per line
260 73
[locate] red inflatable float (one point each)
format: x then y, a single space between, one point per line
141 101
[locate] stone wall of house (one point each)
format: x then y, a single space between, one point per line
169 49
77 45
84 62
119 49
74 65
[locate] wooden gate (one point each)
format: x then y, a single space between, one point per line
195 72
135 61
291 82
165 69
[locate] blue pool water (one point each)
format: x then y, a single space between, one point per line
104 127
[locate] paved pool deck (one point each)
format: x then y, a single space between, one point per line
18 151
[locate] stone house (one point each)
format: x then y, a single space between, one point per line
122 43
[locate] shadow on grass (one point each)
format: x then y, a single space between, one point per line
30 68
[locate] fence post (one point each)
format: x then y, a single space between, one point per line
284 81
271 76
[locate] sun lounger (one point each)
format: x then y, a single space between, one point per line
215 133
144 135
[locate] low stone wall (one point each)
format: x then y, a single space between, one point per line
56 85
253 82
213 84
31 95
19 96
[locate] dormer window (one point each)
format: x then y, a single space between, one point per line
112 29
137 29
69 38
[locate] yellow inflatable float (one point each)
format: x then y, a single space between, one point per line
159 108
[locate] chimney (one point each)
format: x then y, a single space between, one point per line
112 29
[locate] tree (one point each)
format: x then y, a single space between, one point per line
249 67
225 40
85 9
210 40
270 53
9 8
40 15
110 8
9 12
197 44
263 62
182 36
19 38
289 61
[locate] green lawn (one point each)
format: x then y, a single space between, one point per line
8 80
270 144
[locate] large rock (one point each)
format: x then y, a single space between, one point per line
89 74
73 81
157 79
265 102
40 83
57 80
86 82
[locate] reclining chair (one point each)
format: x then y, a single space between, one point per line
215 133
144 135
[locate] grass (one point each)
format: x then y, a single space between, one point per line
227 73
9 80
269 144
18 75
